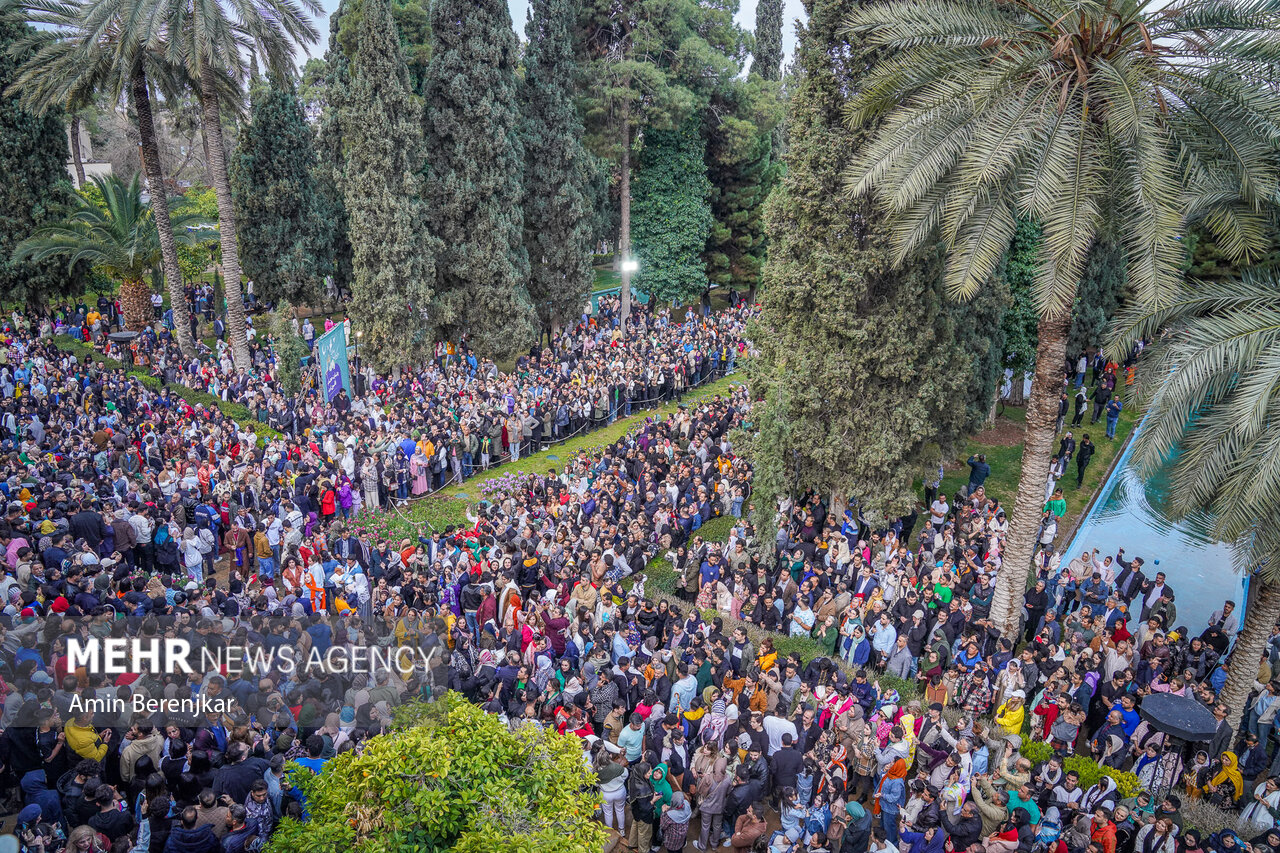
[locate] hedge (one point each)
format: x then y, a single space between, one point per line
240 414
1089 771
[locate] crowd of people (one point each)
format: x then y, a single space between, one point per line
131 515
459 411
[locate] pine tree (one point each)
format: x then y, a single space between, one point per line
672 212
768 54
859 361
35 182
557 185
475 176
651 64
392 254
285 242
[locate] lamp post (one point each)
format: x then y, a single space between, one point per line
359 375
629 266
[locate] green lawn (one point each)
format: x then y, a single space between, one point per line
541 462
1005 460
607 277
449 506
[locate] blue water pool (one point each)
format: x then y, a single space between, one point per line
1128 514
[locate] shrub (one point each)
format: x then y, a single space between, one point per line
1202 815
450 777
1036 751
1090 772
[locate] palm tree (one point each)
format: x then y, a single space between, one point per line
120 239
209 38
1103 116
1209 386
78 52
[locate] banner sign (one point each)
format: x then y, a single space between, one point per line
331 350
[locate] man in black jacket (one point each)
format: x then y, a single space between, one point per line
1083 454
965 828
89 526
239 773
785 764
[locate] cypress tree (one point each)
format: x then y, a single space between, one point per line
35 183
672 213
285 244
475 175
859 360
558 214
392 256
767 61
333 91
1097 298
743 171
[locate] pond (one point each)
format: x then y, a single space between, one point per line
1129 514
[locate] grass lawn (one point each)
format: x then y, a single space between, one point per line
607 277
540 462
1003 447
448 507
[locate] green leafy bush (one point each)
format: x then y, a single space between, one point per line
450 777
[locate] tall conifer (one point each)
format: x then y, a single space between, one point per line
859 361
557 193
475 175
392 253
285 245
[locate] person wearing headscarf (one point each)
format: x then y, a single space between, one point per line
1102 794
1228 781
1225 841
1267 842
857 835
675 823
1260 815
891 795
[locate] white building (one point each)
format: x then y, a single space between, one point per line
91 167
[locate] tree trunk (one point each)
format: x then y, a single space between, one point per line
149 149
1260 616
624 231
1016 384
211 124
135 301
75 150
1037 449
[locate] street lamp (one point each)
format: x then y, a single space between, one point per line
359 376
630 265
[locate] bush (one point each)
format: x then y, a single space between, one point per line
1090 772
451 777
1037 752
1202 815
605 260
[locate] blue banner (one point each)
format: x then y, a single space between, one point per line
331 351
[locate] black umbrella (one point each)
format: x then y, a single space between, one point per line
122 337
1180 717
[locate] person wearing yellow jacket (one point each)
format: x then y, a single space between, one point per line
1009 716
83 738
